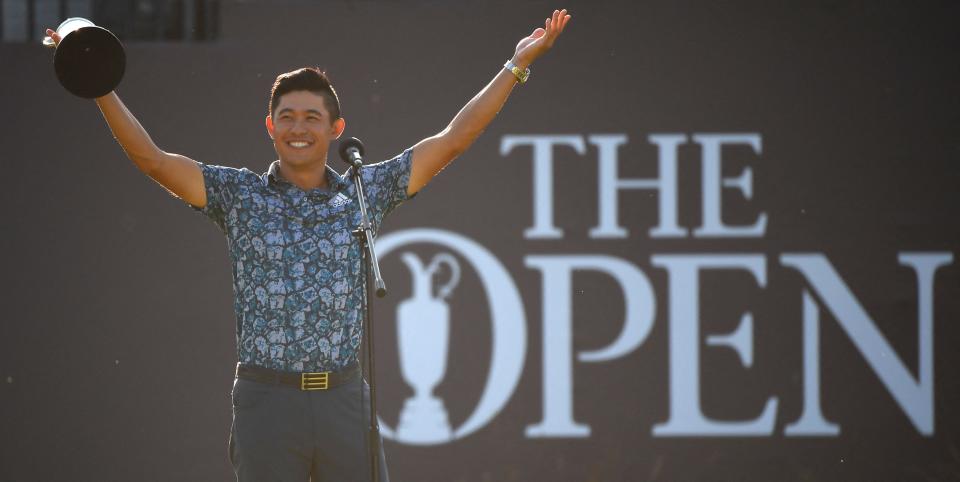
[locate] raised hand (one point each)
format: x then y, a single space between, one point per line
538 42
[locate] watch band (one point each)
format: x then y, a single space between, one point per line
522 75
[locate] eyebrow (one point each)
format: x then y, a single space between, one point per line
309 111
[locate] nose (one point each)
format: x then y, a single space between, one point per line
298 127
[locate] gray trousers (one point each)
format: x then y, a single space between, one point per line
282 434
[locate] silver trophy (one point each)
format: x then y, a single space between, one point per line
423 335
89 61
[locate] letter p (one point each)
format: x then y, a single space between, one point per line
640 309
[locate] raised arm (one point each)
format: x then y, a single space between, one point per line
178 174
433 153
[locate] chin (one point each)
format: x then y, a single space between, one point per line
301 158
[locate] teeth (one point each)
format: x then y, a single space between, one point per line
298 144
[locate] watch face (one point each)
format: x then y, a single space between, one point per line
521 74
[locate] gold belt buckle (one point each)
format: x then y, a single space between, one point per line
314 381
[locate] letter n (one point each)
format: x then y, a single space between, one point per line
913 395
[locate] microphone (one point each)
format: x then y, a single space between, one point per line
351 151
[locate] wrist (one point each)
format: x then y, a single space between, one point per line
522 63
521 74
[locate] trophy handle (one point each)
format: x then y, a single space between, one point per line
449 260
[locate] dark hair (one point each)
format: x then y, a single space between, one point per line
311 79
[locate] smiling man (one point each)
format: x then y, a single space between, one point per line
303 118
297 274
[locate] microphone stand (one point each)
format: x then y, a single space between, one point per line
364 234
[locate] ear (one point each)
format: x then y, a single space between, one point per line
269 123
338 126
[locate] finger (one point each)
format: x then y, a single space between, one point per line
563 24
52 39
555 19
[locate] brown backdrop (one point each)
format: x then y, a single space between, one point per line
116 340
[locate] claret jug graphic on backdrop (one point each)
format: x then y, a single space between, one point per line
423 361
425 321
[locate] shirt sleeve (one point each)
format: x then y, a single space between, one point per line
386 183
222 185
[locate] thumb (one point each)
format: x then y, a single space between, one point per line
52 34
537 33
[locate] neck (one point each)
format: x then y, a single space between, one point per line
306 177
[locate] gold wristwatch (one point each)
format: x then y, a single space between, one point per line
522 75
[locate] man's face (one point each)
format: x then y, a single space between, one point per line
301 128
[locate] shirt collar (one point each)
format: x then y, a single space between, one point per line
335 181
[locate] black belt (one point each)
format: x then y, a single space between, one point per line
302 381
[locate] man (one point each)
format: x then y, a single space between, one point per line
298 283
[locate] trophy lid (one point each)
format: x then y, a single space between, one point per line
90 62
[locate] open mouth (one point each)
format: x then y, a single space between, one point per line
299 144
